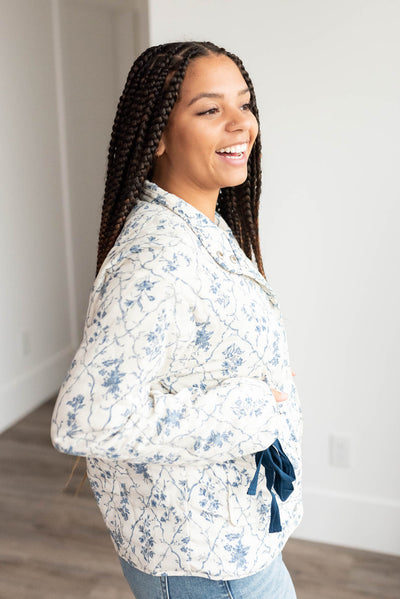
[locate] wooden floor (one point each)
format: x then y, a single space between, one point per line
55 546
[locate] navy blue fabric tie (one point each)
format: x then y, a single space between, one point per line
280 475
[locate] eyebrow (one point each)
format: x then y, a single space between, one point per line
214 95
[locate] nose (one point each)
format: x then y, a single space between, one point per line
238 120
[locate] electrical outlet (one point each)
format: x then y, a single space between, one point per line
339 451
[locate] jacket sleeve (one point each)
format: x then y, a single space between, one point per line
111 404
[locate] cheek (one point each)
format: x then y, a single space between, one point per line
198 142
185 142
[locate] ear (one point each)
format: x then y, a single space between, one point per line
161 147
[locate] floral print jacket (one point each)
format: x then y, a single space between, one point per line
169 396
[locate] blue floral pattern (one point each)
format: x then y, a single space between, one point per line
169 396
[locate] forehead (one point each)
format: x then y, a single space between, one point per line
214 73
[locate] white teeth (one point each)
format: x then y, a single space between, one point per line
238 157
240 148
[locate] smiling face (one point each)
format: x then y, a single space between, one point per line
210 132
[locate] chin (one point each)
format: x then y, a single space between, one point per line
234 181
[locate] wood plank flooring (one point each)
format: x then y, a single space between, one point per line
54 545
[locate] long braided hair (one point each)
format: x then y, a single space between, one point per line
149 95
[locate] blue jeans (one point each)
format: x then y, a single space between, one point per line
274 582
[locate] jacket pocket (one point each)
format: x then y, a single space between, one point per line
246 510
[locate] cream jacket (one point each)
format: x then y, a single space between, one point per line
169 396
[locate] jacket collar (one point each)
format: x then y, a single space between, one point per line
216 237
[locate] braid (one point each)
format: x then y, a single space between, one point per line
150 93
142 115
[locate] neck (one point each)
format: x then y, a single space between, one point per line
203 200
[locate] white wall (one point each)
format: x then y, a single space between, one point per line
62 67
326 76
34 322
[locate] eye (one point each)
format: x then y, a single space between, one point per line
246 106
209 111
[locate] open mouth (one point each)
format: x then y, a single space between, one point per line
236 152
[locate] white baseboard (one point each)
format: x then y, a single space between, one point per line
370 523
26 392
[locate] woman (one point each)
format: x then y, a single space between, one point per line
181 388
